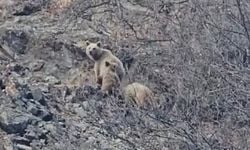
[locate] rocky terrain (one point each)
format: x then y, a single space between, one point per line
194 55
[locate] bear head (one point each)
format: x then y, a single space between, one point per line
94 50
111 66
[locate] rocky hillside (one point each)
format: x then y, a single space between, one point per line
193 54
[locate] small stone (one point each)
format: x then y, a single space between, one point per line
17 68
101 121
23 147
80 112
47 116
45 131
31 135
52 80
40 124
38 96
37 66
43 141
21 140
62 124
75 105
157 70
85 105
29 95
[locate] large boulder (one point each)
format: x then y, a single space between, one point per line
12 121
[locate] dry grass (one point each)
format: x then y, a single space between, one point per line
58 6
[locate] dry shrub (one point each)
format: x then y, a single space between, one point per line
57 7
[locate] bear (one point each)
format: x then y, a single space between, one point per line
100 56
110 80
140 94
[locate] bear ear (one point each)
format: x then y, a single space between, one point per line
98 44
87 43
107 63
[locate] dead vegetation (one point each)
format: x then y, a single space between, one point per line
195 55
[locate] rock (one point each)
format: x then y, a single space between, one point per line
31 135
25 92
27 10
85 105
33 109
42 113
29 95
47 116
38 96
17 40
6 53
43 87
37 66
2 86
21 140
21 102
52 80
17 68
12 121
80 112
62 122
23 147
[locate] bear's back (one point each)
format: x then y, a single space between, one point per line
138 93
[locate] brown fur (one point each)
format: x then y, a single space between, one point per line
100 56
110 79
139 94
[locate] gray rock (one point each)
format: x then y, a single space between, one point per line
12 121
17 40
40 112
37 66
47 116
52 80
19 69
31 135
25 92
21 140
1 84
23 147
80 111
27 10
38 96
